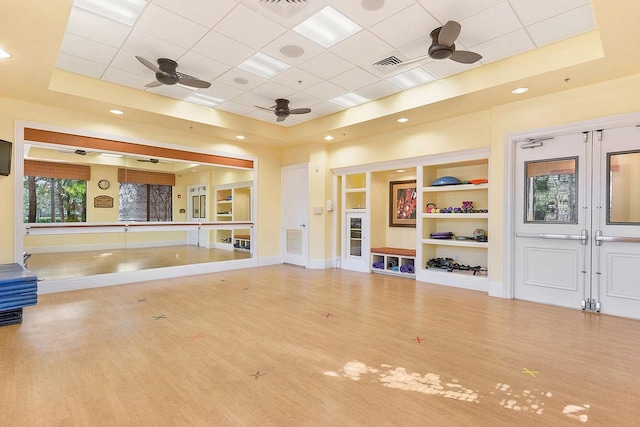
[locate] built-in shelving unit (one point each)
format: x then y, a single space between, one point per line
233 203
465 253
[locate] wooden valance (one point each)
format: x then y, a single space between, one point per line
144 177
56 170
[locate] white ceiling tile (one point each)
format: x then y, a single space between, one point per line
562 26
219 47
128 62
147 46
170 27
201 66
457 10
362 49
326 65
446 67
531 12
326 90
297 79
302 100
273 91
252 80
291 38
489 24
325 108
126 78
408 25
97 28
505 46
366 18
235 108
250 99
204 12
172 91
354 79
87 49
287 14
80 65
222 91
378 90
263 115
241 24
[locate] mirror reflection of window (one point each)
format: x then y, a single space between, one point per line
61 185
551 187
623 198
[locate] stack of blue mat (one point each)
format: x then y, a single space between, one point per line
407 269
378 265
18 289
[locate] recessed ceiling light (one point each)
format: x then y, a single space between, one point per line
240 137
4 54
292 51
411 78
520 90
241 81
372 4
327 27
125 11
400 170
402 120
328 138
263 65
206 100
117 112
349 100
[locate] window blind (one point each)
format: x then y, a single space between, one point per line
57 170
144 177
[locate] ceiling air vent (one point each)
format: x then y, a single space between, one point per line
387 65
284 8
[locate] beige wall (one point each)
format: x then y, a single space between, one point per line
481 129
269 162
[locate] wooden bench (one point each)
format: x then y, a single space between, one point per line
395 261
242 242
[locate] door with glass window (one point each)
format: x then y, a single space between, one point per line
577 232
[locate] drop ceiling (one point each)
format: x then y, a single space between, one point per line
211 39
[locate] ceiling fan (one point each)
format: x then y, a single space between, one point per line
443 47
282 111
166 74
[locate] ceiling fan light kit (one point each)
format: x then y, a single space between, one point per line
282 111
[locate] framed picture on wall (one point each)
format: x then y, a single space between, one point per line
402 203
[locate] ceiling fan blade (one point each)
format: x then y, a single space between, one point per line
465 57
281 118
413 60
300 111
153 84
187 80
449 33
264 108
150 65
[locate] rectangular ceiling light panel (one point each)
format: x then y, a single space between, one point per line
349 100
206 100
411 78
125 11
327 27
264 65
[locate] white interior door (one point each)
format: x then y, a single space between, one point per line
197 212
295 215
577 221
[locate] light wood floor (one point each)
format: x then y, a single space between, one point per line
59 265
284 346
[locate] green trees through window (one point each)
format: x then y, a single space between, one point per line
54 200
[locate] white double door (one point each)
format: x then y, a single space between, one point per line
577 221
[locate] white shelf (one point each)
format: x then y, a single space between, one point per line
456 278
460 187
355 190
455 215
454 242
224 201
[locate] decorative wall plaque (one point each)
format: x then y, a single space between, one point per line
103 202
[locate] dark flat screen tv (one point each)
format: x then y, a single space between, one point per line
5 157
